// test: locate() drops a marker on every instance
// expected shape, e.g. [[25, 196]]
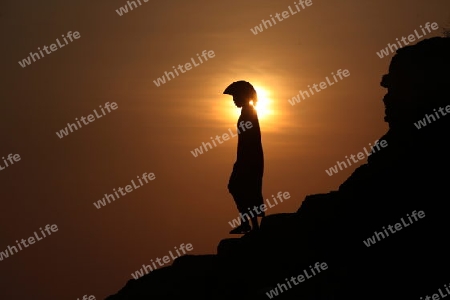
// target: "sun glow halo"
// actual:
[[263, 106]]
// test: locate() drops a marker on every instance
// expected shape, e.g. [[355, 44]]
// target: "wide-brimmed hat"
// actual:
[[242, 88]]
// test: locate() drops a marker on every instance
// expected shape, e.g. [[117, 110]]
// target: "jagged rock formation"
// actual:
[[411, 173]]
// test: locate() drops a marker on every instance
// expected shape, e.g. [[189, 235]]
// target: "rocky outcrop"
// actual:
[[410, 174]]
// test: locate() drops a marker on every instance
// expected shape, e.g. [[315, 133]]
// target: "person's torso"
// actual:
[[250, 151]]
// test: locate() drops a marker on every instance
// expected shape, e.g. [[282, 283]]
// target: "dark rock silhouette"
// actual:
[[410, 174]]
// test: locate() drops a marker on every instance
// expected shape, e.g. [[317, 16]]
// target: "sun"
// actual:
[[263, 106]]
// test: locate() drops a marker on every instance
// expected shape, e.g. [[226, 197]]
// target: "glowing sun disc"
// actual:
[[264, 103]]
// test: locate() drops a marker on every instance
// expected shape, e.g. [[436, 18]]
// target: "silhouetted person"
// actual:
[[245, 183]]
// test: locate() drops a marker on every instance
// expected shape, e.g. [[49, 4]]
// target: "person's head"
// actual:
[[243, 92]]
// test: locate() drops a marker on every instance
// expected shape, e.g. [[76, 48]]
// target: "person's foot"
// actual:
[[243, 228]]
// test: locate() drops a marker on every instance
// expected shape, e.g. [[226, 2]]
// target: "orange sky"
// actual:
[[154, 128]]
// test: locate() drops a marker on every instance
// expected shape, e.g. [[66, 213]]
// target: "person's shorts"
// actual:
[[247, 194]]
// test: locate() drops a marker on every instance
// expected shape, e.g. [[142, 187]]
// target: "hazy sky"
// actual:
[[154, 129]]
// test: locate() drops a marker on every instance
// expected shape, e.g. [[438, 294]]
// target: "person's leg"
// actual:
[[244, 224], [257, 202], [255, 225], [254, 199]]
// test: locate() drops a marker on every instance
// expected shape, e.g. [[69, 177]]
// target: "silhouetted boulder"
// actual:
[[410, 174]]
